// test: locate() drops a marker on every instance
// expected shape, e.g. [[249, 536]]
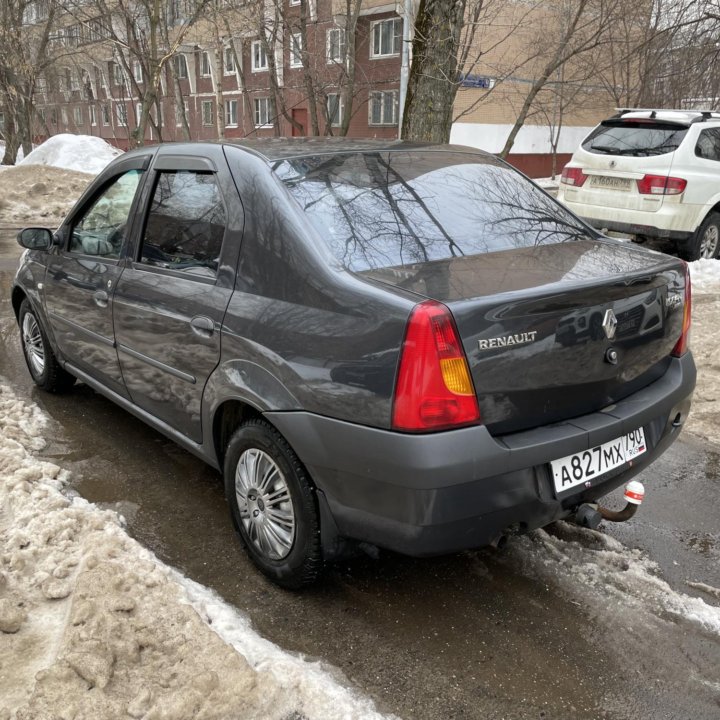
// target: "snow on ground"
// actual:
[[92, 625], [38, 194], [83, 153]]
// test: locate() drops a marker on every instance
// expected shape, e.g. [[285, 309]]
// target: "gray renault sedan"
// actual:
[[379, 344]]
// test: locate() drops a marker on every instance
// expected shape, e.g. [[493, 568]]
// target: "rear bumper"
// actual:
[[679, 236], [444, 492]]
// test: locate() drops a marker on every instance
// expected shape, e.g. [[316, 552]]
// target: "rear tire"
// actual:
[[273, 505], [705, 243], [44, 368]]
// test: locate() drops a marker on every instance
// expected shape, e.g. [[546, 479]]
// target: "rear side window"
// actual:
[[634, 138], [708, 144], [186, 223], [379, 210]]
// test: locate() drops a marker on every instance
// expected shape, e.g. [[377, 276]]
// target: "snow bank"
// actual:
[[92, 625], [705, 276], [83, 153], [38, 194]]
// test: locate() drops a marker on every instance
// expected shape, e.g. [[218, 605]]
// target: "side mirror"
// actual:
[[35, 238]]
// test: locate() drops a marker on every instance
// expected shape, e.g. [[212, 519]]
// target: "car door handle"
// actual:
[[202, 326], [100, 298]]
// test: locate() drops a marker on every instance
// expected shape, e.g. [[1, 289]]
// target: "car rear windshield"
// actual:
[[635, 138], [388, 209]]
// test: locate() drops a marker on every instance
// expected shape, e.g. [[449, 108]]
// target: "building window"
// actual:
[[229, 61], [179, 114], [74, 80], [137, 72], [2, 119], [121, 111], [296, 50], [335, 45], [231, 119], [335, 109], [93, 115], [383, 108], [118, 75], [181, 67], [207, 112], [263, 112], [205, 63], [106, 114], [138, 113], [79, 119], [294, 2], [259, 56], [386, 38], [64, 116]]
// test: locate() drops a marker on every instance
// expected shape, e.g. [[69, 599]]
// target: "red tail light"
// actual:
[[683, 343], [661, 185], [573, 176], [434, 390]]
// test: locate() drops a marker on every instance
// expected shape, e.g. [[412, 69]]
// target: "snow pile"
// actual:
[[92, 625], [83, 153], [39, 195], [705, 414]]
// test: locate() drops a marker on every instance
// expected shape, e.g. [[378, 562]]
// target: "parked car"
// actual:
[[365, 337], [652, 174]]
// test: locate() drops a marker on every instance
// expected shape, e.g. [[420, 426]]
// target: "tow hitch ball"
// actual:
[[590, 515]]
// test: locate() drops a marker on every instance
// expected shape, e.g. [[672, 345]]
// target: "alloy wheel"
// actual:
[[709, 242], [266, 509], [33, 344]]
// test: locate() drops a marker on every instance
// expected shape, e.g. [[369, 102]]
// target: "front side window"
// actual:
[[259, 56], [383, 108], [185, 224], [708, 144], [101, 229], [386, 38]]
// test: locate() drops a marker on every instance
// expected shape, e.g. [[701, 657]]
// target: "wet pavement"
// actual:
[[554, 626]]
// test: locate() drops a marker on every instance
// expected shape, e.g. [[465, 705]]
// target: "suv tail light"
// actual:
[[682, 345], [573, 176], [661, 185], [434, 390]]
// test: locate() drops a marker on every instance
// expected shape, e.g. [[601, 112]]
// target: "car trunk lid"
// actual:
[[538, 324]]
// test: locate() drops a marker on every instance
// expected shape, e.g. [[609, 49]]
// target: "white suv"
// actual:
[[652, 174]]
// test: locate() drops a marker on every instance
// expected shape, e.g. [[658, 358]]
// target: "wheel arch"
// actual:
[[17, 297], [228, 416]]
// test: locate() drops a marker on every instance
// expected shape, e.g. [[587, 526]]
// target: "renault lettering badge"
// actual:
[[609, 324]]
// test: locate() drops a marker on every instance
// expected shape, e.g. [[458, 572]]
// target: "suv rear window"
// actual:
[[388, 209], [635, 138]]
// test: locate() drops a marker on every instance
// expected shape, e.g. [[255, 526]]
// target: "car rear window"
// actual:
[[379, 210], [635, 138]]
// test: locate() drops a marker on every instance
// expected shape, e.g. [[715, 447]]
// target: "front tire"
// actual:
[[273, 505], [705, 243], [44, 367]]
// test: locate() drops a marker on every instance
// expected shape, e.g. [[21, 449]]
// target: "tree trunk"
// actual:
[[432, 84], [219, 97]]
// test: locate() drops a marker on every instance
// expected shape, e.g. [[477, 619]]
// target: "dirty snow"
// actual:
[[92, 625], [82, 153]]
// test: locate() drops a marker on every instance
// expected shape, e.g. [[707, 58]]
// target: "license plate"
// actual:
[[590, 464], [611, 183]]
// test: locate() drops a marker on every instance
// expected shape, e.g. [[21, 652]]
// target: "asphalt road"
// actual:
[[565, 625]]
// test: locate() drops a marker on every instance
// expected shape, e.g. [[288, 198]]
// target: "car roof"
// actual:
[[281, 148]]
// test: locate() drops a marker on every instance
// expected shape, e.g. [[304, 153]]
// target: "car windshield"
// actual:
[[634, 138], [388, 209]]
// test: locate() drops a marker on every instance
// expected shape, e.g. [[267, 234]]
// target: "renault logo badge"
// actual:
[[609, 324]]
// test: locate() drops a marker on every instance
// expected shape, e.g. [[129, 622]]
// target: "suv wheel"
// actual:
[[272, 504], [706, 241], [41, 361]]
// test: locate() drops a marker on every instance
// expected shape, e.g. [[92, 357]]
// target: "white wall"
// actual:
[[530, 139]]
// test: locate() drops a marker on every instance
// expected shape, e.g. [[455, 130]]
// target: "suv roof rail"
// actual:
[[702, 115]]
